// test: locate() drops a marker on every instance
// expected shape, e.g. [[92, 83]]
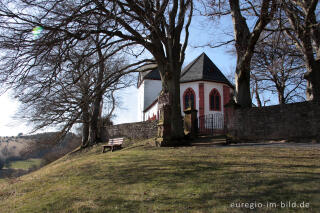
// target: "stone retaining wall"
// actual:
[[138, 130], [297, 121]]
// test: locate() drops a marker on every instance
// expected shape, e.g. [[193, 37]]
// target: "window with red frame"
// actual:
[[215, 100], [189, 98]]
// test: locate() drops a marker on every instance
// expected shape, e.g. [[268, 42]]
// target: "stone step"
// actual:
[[207, 144], [210, 141]]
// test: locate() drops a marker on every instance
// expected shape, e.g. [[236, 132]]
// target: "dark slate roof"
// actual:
[[200, 69], [150, 73], [153, 74], [203, 69]]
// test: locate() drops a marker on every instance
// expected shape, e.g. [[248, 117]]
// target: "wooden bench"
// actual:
[[114, 143]]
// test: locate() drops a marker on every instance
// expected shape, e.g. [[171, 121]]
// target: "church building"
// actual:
[[202, 84]]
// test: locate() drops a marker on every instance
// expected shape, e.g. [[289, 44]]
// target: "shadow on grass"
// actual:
[[181, 180], [12, 173], [209, 184]]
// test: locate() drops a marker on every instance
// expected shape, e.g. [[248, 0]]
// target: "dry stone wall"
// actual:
[[297, 121], [138, 130]]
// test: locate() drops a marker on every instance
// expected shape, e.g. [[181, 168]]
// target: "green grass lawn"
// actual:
[[185, 179], [25, 164]]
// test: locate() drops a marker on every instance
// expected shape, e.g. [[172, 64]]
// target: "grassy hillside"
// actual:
[[186, 179]]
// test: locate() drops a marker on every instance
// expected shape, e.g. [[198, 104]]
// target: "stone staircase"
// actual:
[[218, 140]]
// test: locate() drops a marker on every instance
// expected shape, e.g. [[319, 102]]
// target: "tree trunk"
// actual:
[[85, 128], [242, 74], [309, 95], [245, 42], [257, 94], [170, 74], [94, 127], [242, 79], [313, 78], [84, 87], [307, 35], [95, 120], [281, 98]]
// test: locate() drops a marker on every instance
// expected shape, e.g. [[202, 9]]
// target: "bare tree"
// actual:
[[244, 38], [157, 26], [60, 73], [74, 93], [304, 29], [256, 90], [160, 27], [277, 67]]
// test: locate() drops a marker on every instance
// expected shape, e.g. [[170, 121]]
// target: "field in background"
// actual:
[[22, 154], [142, 178], [24, 164]]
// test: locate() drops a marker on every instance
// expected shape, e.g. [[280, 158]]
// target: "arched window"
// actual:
[[189, 97], [215, 100]]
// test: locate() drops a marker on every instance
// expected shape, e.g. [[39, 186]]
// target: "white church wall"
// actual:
[[140, 101], [147, 93], [153, 111], [152, 91], [184, 87], [208, 86]]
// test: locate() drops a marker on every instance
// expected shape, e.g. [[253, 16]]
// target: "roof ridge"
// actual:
[[220, 72], [203, 68], [199, 69], [187, 68]]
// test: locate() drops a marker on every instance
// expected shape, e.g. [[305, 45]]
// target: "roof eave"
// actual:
[[150, 106], [208, 80]]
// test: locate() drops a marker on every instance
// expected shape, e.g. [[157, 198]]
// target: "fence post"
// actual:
[[229, 116], [163, 124], [190, 121]]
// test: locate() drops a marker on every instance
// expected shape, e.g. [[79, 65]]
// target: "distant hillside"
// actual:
[[44, 146]]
